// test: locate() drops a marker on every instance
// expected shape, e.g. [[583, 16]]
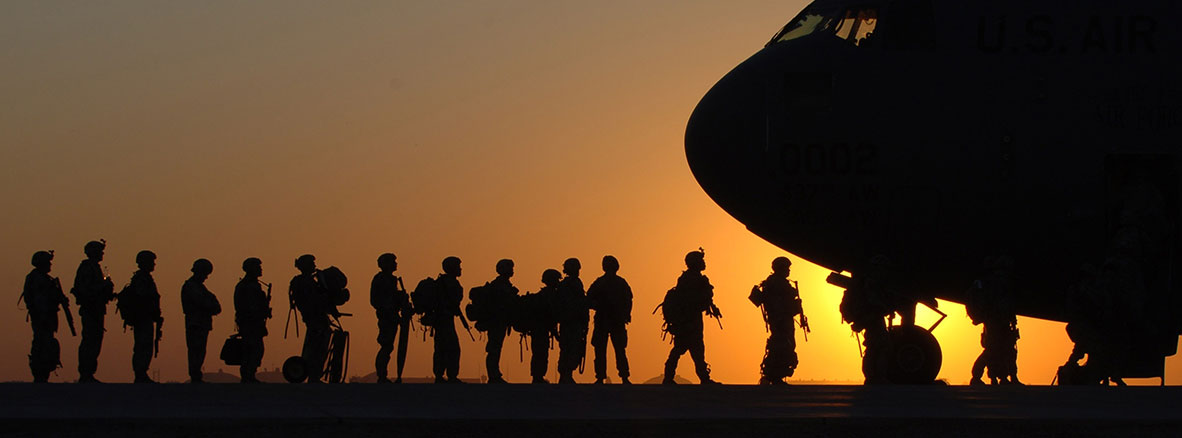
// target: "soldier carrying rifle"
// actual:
[[43, 295], [780, 302]]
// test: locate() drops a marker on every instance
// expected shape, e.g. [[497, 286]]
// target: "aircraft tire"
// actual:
[[295, 370], [914, 356]]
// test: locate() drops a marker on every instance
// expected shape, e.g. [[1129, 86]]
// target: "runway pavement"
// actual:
[[126, 410]]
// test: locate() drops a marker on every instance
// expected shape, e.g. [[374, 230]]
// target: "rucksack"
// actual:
[[530, 313], [480, 305], [677, 309], [335, 282], [425, 300], [129, 306]]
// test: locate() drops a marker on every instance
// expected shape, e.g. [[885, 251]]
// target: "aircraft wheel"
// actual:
[[914, 356], [295, 370]]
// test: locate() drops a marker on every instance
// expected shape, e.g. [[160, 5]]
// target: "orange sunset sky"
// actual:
[[530, 130]]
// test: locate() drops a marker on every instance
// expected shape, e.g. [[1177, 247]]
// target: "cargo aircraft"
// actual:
[[937, 133]]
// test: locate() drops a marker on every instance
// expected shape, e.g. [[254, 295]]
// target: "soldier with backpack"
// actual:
[[490, 308], [682, 309], [312, 299], [389, 299], [92, 291], [573, 317], [200, 306], [139, 304], [611, 299], [991, 303], [43, 297], [252, 309], [780, 303], [537, 320], [446, 359]]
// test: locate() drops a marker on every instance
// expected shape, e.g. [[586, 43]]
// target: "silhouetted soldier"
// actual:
[[502, 292], [573, 317], [542, 324], [991, 303], [865, 305], [611, 298], [389, 299], [200, 305], [252, 309], [145, 319], [43, 297], [312, 299], [781, 303], [92, 291], [692, 296], [446, 360]]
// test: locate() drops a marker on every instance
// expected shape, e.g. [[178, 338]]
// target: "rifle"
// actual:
[[716, 314], [464, 322], [66, 308], [159, 334], [804, 320], [268, 298]]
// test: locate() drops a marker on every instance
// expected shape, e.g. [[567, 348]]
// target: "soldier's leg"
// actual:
[[40, 354], [141, 351], [195, 349], [599, 339], [697, 351], [91, 344], [438, 356], [452, 344], [403, 339], [539, 361], [492, 361], [679, 348], [252, 355], [314, 351], [386, 332], [619, 338]]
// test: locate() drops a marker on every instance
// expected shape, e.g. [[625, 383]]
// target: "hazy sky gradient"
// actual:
[[523, 129]]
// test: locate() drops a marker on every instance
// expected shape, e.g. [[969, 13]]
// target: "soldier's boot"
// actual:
[[567, 378], [143, 378], [539, 380], [625, 381], [88, 379], [599, 381]]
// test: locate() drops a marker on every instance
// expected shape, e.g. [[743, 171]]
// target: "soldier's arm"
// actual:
[[215, 306]]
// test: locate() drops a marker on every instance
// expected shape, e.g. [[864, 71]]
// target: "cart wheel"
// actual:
[[295, 370]]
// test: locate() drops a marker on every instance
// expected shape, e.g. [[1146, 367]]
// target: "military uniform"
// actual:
[[389, 302], [541, 329], [43, 298], [200, 305], [92, 291], [573, 317], [252, 308], [611, 298], [146, 299], [781, 302], [446, 359], [696, 294], [497, 323], [311, 298]]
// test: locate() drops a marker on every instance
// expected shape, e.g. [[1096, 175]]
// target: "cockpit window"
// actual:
[[857, 25], [853, 24]]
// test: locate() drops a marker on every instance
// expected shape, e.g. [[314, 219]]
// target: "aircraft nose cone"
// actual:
[[725, 139]]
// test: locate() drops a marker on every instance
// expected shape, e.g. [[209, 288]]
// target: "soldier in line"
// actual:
[[865, 305], [200, 306], [92, 291], [573, 316], [611, 298], [391, 302], [446, 360], [502, 292], [142, 313], [692, 296], [780, 303], [252, 309], [542, 324], [43, 297], [312, 299], [991, 303]]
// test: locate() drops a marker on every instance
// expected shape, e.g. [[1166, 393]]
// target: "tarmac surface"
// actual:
[[285, 410]]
